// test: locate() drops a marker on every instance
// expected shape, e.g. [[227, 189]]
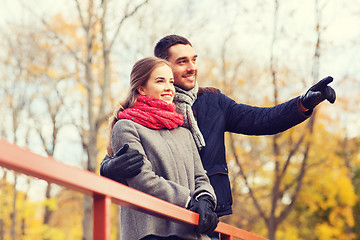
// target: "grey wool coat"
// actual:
[[172, 171]]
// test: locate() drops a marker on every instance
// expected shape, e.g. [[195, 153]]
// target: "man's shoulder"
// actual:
[[212, 96], [203, 90]]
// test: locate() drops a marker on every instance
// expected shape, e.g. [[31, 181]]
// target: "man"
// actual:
[[209, 114]]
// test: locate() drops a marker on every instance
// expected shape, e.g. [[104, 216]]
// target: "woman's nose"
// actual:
[[168, 86]]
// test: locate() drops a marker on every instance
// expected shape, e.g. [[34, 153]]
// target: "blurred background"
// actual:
[[64, 65]]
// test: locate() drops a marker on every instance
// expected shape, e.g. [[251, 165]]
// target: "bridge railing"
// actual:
[[104, 192]]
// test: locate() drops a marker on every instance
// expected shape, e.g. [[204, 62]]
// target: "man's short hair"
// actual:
[[161, 49]]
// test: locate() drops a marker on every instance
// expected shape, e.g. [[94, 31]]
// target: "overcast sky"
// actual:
[[341, 38]]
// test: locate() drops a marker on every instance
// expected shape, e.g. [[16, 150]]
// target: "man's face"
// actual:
[[183, 63]]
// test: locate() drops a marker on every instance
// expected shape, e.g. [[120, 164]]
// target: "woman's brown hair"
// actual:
[[139, 75]]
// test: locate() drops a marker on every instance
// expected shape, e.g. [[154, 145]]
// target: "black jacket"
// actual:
[[216, 114]]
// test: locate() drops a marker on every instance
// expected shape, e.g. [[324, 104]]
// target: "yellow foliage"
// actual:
[[63, 26], [290, 232], [65, 222], [52, 233], [330, 187], [324, 231], [52, 74], [81, 88], [328, 190], [51, 203], [103, 139], [327, 195], [33, 228], [69, 216]]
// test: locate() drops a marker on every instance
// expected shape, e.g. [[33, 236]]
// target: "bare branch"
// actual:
[[272, 58], [292, 152], [127, 15], [55, 35], [80, 14], [300, 178], [244, 176]]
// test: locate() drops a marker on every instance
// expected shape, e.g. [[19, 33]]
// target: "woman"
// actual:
[[172, 170]]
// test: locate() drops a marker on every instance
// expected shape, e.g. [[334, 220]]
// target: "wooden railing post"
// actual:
[[225, 237], [102, 217]]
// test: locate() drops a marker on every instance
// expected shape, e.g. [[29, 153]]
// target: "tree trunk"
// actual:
[[87, 219], [47, 210], [271, 230], [117, 222], [3, 206], [13, 214], [1, 229], [96, 115]]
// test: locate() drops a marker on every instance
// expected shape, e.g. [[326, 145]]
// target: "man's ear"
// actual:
[[141, 90]]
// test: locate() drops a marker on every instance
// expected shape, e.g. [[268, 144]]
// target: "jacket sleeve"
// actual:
[[252, 120], [147, 181]]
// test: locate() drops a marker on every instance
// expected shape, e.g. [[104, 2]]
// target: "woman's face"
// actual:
[[160, 84]]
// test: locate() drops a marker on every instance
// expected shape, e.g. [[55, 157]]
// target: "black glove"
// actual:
[[124, 164], [193, 204], [318, 93], [205, 207]]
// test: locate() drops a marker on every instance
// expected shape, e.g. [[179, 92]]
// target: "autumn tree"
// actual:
[[270, 172], [16, 96], [290, 154], [48, 107], [44, 79], [91, 49]]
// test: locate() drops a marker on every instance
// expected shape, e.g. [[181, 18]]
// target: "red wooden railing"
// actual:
[[104, 192]]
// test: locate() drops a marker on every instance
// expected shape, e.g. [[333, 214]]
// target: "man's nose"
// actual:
[[191, 66]]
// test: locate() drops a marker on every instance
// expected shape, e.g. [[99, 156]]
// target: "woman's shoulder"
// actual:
[[131, 126], [124, 125], [123, 122]]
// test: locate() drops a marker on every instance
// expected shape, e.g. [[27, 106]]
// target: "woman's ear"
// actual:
[[141, 90]]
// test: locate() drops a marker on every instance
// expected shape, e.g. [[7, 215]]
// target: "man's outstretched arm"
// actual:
[[124, 164], [252, 120]]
